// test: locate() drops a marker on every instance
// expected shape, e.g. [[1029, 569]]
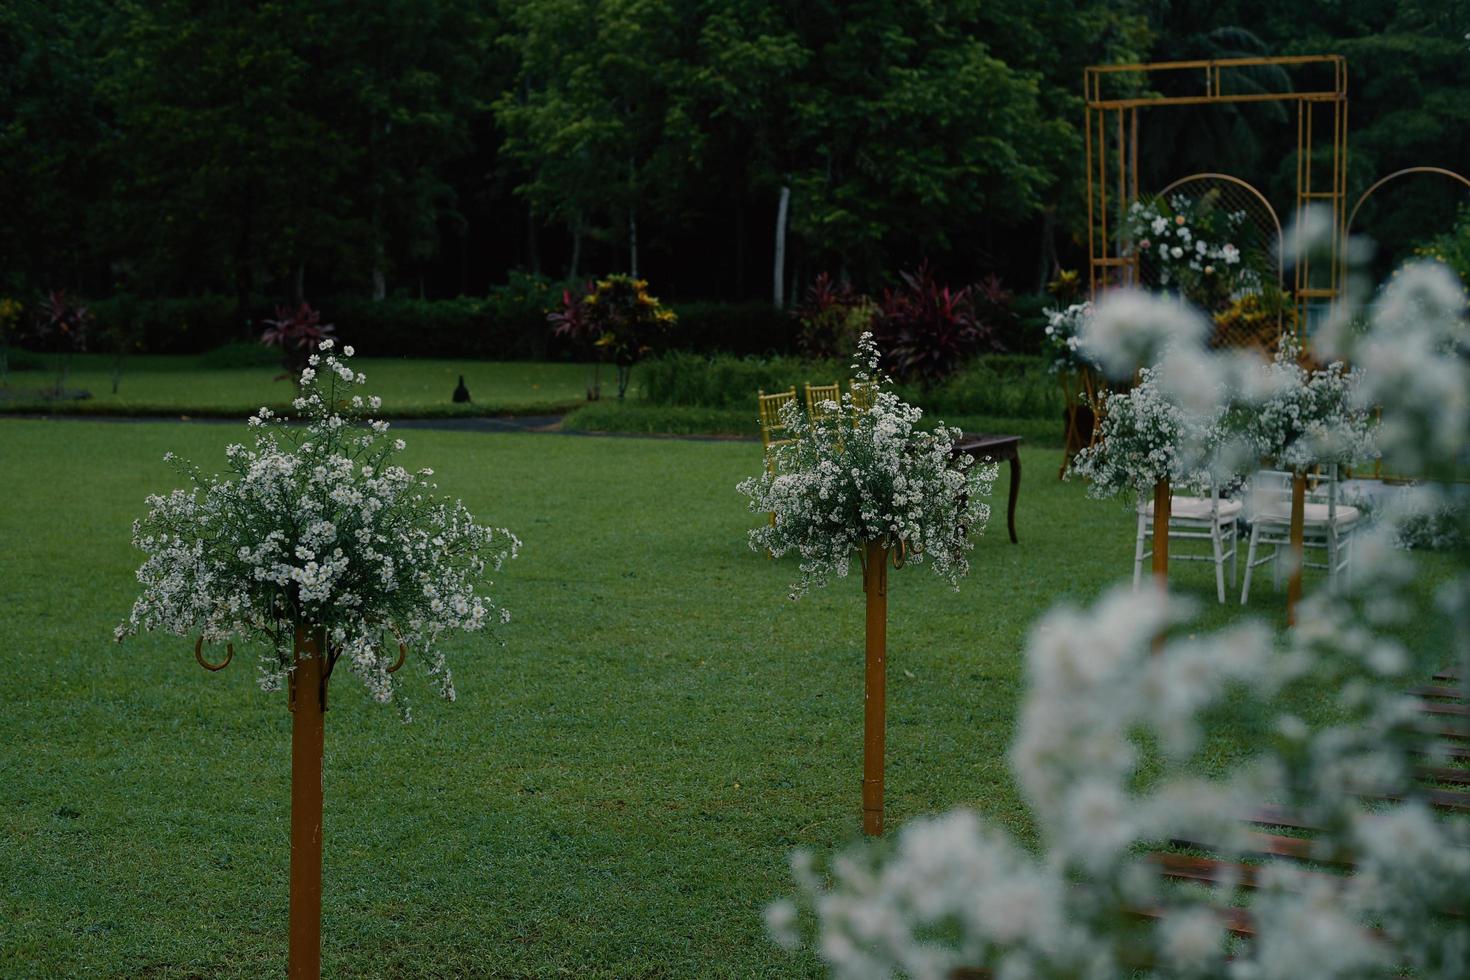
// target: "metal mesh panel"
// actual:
[[1247, 317]]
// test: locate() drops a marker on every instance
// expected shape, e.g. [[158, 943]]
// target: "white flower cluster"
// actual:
[[316, 527], [859, 474], [1145, 437], [1167, 235], [1063, 343], [1197, 415], [1302, 418], [954, 893]]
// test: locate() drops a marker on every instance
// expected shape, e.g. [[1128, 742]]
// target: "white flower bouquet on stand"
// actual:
[[1148, 437], [321, 548], [856, 476], [1303, 418], [867, 480]]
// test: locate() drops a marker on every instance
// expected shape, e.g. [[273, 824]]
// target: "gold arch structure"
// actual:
[[1406, 172], [1111, 132], [1378, 471]]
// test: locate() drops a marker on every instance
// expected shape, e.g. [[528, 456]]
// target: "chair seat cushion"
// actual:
[[1197, 508], [1311, 514]]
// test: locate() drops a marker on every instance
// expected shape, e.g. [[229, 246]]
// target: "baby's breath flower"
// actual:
[[318, 527]]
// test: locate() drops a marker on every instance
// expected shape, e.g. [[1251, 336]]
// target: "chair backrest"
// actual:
[[864, 393], [1269, 493], [818, 395], [1322, 488], [772, 428]]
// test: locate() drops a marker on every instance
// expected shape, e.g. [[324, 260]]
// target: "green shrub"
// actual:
[[18, 359], [181, 325], [508, 323], [725, 381], [1030, 322], [1007, 385], [243, 354]]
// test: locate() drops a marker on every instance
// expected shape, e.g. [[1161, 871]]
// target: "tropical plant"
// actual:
[[860, 474], [927, 330], [1256, 319], [1067, 287], [60, 326], [317, 527], [11, 311], [569, 322], [1452, 247], [299, 332], [623, 320]]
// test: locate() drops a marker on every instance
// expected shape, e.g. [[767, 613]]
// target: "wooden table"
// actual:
[[991, 446]]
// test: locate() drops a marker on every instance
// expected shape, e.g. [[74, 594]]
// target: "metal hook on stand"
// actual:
[[199, 655]]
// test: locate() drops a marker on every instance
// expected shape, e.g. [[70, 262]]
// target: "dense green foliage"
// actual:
[[1013, 386], [425, 147]]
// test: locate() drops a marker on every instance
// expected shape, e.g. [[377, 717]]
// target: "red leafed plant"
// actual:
[[61, 323], [298, 333], [61, 326], [928, 330], [832, 315], [571, 323]]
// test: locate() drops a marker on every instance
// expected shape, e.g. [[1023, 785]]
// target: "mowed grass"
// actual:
[[175, 385], [616, 791]]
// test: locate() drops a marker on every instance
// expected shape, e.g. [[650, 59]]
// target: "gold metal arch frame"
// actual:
[[1111, 132], [1378, 471], [1397, 174]]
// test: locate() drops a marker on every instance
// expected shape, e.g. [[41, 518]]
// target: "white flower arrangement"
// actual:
[[1177, 239], [317, 527], [956, 894], [858, 474], [1303, 418], [1146, 436], [1063, 338]]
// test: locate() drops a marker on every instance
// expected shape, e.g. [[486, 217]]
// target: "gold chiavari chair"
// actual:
[[818, 395]]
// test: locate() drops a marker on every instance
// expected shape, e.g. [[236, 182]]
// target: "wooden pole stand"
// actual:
[[308, 702], [875, 585], [1298, 548], [1163, 510]]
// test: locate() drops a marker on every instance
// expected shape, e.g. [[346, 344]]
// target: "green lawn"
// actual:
[[614, 794], [177, 385]]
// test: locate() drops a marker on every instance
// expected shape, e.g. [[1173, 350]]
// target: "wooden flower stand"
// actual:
[[875, 585], [1163, 510], [1078, 418], [307, 692]]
